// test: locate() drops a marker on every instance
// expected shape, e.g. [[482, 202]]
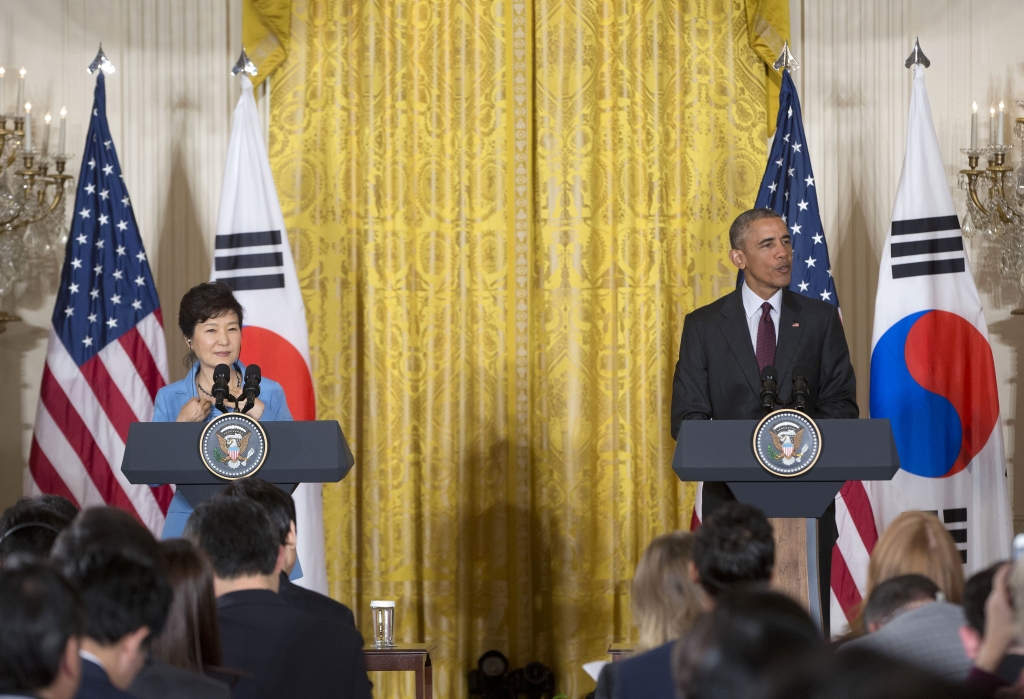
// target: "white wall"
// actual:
[[169, 106], [855, 94]]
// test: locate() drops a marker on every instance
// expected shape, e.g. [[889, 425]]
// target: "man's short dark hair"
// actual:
[[739, 228], [39, 612], [733, 547], [237, 535], [892, 596], [278, 504], [31, 525], [114, 563], [976, 592]]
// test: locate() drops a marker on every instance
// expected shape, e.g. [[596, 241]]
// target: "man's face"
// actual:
[[767, 255]]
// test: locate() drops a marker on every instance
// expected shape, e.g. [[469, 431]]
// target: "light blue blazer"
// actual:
[[169, 401]]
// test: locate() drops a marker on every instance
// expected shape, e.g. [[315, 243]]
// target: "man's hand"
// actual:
[[195, 410], [1000, 620]]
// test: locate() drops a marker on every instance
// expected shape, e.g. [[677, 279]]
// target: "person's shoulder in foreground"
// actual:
[[314, 603], [645, 676], [158, 680]]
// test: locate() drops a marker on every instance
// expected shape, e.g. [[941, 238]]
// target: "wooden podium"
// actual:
[[851, 450]]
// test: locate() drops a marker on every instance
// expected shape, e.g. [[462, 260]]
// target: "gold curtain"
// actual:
[[501, 212]]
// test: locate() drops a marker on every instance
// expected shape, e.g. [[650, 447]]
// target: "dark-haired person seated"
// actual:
[[187, 651], [910, 620], [287, 652], [281, 508], [733, 549], [210, 320], [113, 562], [40, 624], [31, 525], [973, 634]]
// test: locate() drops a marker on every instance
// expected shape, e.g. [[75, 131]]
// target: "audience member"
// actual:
[[40, 625], [189, 645], [737, 645], [1002, 627], [113, 561], [281, 508], [858, 673], [909, 623], [733, 549], [976, 594], [31, 525], [288, 652]]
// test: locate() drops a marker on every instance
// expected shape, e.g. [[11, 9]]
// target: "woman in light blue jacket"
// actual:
[[210, 319]]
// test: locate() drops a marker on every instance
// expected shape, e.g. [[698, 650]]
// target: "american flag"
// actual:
[[106, 358], [788, 187]]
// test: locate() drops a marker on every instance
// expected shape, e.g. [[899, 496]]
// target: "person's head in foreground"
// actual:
[[278, 504], [733, 547], [665, 598], [732, 648], [31, 525], [761, 247], [242, 543], [976, 593], [190, 639], [857, 673], [113, 562], [896, 596], [40, 625]]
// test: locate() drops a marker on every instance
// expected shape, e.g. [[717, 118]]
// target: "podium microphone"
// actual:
[[769, 388], [220, 392], [251, 387], [800, 394]]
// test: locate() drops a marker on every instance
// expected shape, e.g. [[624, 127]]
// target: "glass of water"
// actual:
[[383, 614]]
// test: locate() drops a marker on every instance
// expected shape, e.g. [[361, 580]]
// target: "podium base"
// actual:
[[796, 563]]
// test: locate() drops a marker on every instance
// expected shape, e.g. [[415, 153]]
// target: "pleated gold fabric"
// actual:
[[501, 212]]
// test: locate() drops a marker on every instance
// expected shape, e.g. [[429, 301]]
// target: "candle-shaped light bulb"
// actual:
[[1000, 138], [21, 89], [63, 130], [992, 126], [974, 126], [28, 127], [46, 134]]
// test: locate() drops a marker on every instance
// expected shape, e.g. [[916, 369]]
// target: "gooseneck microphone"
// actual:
[[800, 393], [220, 391], [769, 388], [251, 387]]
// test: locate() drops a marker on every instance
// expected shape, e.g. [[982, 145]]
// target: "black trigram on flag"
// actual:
[[956, 524], [928, 241]]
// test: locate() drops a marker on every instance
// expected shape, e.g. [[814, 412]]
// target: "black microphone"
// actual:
[[220, 391], [800, 393], [769, 388], [251, 389]]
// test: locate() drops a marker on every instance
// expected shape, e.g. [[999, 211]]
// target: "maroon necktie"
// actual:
[[765, 338]]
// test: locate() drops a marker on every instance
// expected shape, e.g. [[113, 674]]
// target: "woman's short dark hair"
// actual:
[[191, 638], [202, 302]]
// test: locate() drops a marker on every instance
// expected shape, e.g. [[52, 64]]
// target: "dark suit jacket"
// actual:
[[717, 377], [158, 680], [313, 602], [289, 653], [645, 676], [96, 684]]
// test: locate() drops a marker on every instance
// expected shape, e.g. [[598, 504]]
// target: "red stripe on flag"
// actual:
[[163, 494], [694, 520], [81, 440], [110, 399], [843, 586], [859, 505], [46, 476], [141, 357]]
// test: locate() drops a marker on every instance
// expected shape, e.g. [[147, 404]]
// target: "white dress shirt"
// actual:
[[752, 305]]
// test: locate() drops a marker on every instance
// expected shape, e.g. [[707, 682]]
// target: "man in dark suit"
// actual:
[[286, 651], [726, 345], [281, 508]]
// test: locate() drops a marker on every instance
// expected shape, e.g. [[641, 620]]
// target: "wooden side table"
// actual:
[[404, 657]]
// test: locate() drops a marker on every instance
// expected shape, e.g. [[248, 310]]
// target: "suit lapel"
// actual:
[[737, 335], [790, 333]]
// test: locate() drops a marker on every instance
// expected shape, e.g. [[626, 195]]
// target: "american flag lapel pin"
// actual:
[[796, 325]]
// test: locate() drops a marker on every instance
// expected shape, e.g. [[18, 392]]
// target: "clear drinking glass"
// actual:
[[383, 614]]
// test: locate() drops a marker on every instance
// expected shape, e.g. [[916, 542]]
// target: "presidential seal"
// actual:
[[233, 446], [787, 443]]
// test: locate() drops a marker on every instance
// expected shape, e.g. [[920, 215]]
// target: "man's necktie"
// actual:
[[765, 338]]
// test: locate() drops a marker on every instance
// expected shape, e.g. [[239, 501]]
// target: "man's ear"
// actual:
[[873, 626], [971, 641], [281, 557], [71, 662], [738, 258], [131, 644], [292, 537]]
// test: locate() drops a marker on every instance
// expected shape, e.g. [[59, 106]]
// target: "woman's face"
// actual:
[[218, 340]]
